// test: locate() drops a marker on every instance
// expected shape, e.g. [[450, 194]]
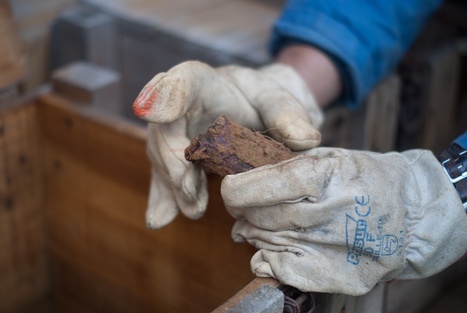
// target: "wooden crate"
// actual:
[[73, 190], [73, 237], [72, 199]]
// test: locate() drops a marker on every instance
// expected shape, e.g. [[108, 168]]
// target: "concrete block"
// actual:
[[84, 33], [89, 84]]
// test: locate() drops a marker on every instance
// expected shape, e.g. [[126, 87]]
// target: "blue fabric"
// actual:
[[365, 38]]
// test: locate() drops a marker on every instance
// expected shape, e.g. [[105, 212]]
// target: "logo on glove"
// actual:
[[361, 240]]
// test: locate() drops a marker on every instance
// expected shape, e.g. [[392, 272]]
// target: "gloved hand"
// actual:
[[181, 103], [340, 221]]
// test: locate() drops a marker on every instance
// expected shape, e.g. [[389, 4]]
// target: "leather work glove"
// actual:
[[340, 221], [181, 103]]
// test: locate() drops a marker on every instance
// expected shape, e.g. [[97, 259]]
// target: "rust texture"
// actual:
[[228, 148]]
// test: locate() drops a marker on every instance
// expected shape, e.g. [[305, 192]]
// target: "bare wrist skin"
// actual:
[[316, 68]]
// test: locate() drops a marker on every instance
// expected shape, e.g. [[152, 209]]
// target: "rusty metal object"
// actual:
[[296, 301], [228, 148]]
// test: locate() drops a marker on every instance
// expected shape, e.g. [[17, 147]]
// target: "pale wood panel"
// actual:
[[442, 93], [11, 57], [23, 262], [33, 20], [34, 16], [382, 108], [104, 258]]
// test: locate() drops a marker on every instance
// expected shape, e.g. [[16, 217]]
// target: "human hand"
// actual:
[[181, 103], [340, 221]]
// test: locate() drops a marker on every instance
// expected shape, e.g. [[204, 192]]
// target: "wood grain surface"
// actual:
[[11, 54], [103, 258], [23, 258]]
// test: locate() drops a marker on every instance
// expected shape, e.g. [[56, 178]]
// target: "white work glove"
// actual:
[[340, 221], [181, 103]]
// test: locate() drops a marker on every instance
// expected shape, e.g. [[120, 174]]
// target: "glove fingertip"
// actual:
[[296, 133], [193, 197], [260, 267], [162, 207], [238, 238], [303, 144], [195, 210], [194, 184], [194, 205], [159, 217]]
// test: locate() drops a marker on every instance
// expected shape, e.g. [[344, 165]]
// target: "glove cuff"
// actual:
[[437, 228], [291, 81]]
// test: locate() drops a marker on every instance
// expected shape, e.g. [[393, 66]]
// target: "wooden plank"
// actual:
[[336, 130], [36, 50], [382, 108], [23, 262], [442, 95], [106, 260], [37, 15], [33, 20], [431, 72], [11, 57]]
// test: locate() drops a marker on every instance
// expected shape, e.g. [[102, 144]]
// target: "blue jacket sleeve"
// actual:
[[365, 38]]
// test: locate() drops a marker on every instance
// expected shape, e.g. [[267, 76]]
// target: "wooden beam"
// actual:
[[23, 260], [11, 56], [382, 109]]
